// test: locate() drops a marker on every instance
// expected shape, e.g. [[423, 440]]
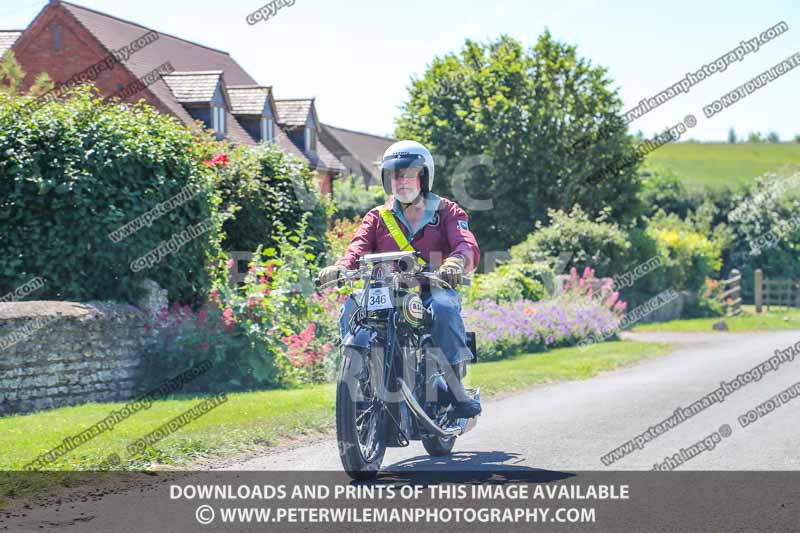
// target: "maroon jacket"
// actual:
[[445, 233]]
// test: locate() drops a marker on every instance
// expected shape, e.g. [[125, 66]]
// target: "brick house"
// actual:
[[360, 153], [202, 84]]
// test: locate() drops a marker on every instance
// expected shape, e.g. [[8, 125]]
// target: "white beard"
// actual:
[[406, 198]]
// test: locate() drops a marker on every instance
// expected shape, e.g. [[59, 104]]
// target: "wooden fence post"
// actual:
[[733, 292], [759, 290]]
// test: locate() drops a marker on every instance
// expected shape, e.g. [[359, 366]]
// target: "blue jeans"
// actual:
[[448, 327]]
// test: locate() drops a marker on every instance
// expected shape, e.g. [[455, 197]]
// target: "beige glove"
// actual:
[[452, 270], [329, 274]]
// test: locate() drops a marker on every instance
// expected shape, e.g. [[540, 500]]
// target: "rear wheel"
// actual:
[[434, 444], [360, 422]]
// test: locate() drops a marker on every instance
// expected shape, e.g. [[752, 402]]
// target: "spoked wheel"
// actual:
[[360, 422], [434, 444]]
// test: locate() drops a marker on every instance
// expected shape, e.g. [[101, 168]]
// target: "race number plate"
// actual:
[[379, 299]]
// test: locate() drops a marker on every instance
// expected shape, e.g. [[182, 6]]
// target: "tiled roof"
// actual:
[[7, 39], [193, 87], [360, 152], [294, 113], [248, 100], [323, 159], [183, 55]]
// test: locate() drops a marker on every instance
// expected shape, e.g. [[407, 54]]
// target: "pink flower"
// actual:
[[227, 319], [229, 264]]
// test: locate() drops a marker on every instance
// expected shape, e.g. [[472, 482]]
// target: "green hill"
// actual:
[[719, 165]]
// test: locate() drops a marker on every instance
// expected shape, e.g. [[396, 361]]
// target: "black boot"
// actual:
[[464, 406]]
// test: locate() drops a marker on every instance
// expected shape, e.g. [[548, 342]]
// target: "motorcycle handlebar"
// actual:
[[352, 275]]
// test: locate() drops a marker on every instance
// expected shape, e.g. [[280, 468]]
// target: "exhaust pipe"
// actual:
[[461, 426]]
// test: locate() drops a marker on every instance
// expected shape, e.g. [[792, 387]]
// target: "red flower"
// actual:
[[340, 234], [217, 160]]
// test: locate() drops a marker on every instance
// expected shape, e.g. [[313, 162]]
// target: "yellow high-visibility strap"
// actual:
[[397, 233]]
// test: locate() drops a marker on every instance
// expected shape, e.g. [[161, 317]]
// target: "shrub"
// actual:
[[666, 192], [338, 238], [688, 257], [272, 331], [706, 302], [262, 187], [72, 172], [574, 235], [507, 283], [767, 229], [182, 338]]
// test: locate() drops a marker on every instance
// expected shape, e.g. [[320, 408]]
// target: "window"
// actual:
[[266, 130], [311, 140], [219, 120], [56, 37]]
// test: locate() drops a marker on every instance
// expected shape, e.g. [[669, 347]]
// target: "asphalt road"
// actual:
[[571, 425]]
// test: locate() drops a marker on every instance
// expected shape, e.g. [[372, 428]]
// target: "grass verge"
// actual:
[[748, 321]]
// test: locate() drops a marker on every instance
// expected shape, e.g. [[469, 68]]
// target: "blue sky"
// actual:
[[357, 57]]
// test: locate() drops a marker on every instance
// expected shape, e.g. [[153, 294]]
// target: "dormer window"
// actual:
[[311, 139], [56, 37], [219, 120], [267, 130]]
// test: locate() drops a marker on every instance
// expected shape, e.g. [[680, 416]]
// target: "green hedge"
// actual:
[[73, 172], [265, 188]]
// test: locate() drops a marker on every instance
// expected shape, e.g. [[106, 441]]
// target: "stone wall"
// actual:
[[54, 354]]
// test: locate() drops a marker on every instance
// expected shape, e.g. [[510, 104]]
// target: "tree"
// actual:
[[545, 123], [755, 137], [732, 136], [11, 76], [773, 137], [797, 138]]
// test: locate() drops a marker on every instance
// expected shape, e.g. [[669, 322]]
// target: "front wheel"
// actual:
[[360, 421]]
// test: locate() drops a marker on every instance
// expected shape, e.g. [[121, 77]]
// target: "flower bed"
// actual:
[[506, 329]]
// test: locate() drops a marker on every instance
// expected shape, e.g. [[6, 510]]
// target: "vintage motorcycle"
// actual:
[[392, 385]]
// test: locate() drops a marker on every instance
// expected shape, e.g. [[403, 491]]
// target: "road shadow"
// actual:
[[467, 467]]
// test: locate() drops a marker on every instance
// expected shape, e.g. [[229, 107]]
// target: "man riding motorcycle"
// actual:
[[414, 218]]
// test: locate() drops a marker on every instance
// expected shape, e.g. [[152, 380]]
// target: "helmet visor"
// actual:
[[403, 166]]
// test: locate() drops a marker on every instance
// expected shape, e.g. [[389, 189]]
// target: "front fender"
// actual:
[[362, 339]]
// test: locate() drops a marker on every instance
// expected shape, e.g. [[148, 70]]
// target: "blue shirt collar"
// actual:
[[431, 206]]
